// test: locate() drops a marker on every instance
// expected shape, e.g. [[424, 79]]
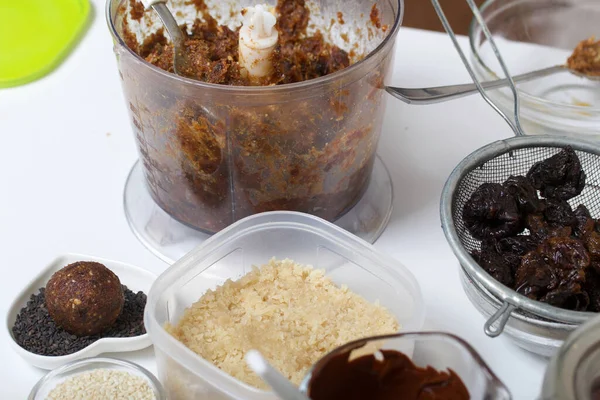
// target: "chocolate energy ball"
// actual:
[[84, 298]]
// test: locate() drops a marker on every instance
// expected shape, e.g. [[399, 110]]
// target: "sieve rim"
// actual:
[[478, 274]]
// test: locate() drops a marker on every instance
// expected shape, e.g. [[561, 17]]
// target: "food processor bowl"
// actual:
[[213, 154], [532, 35]]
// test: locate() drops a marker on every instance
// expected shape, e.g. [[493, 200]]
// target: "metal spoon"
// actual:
[[180, 60], [279, 383], [177, 37], [440, 94]]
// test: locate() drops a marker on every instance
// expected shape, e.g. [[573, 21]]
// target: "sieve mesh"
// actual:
[[518, 162]]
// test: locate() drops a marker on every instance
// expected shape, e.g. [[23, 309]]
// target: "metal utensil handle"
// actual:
[[440, 94], [165, 15], [501, 316], [516, 126]]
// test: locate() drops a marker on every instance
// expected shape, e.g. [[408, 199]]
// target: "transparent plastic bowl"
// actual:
[[53, 378], [213, 154], [441, 351], [535, 34], [231, 253]]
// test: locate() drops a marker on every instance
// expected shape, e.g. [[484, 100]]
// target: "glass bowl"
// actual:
[[441, 351], [574, 371], [213, 154], [43, 387], [535, 34], [231, 253]]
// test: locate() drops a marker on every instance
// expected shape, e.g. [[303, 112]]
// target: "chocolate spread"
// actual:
[[394, 378]]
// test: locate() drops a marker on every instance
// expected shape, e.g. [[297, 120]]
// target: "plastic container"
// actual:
[[441, 351], [535, 34], [213, 154], [41, 389], [574, 371], [253, 241]]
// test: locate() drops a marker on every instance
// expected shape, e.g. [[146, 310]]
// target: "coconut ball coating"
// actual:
[[84, 298]]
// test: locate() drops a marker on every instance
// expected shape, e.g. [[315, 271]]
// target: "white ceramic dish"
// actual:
[[134, 278]]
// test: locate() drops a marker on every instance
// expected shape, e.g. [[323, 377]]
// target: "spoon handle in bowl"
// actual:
[[168, 20], [441, 94]]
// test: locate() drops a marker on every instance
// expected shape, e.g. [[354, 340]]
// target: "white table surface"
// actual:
[[67, 147]]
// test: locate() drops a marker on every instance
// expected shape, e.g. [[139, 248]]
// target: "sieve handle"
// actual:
[[516, 126], [501, 317]]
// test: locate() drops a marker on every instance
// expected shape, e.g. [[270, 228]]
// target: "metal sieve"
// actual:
[[495, 163]]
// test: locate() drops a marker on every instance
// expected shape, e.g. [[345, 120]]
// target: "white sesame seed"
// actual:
[[101, 384]]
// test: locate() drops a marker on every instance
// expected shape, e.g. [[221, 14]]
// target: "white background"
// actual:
[[67, 147]]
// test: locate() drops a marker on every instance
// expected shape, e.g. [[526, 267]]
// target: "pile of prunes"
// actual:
[[533, 241]]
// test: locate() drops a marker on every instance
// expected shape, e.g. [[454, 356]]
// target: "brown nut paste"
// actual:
[[586, 57]]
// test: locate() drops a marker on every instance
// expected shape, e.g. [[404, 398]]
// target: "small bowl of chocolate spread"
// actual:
[[408, 366]]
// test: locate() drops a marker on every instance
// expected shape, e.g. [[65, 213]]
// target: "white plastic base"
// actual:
[[169, 239]]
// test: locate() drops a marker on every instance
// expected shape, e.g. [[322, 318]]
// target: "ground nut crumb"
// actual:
[[102, 384], [586, 57], [292, 314]]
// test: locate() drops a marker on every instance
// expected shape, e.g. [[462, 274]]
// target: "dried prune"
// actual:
[[511, 249], [585, 223], [492, 212], [542, 230], [592, 287], [560, 212], [592, 243], [525, 194], [534, 275], [585, 229], [559, 177], [519, 245], [555, 273], [494, 264], [565, 253], [571, 297]]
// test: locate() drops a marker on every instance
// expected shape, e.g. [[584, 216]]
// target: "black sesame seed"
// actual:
[[35, 331]]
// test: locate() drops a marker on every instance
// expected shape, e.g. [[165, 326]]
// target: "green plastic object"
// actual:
[[36, 36]]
